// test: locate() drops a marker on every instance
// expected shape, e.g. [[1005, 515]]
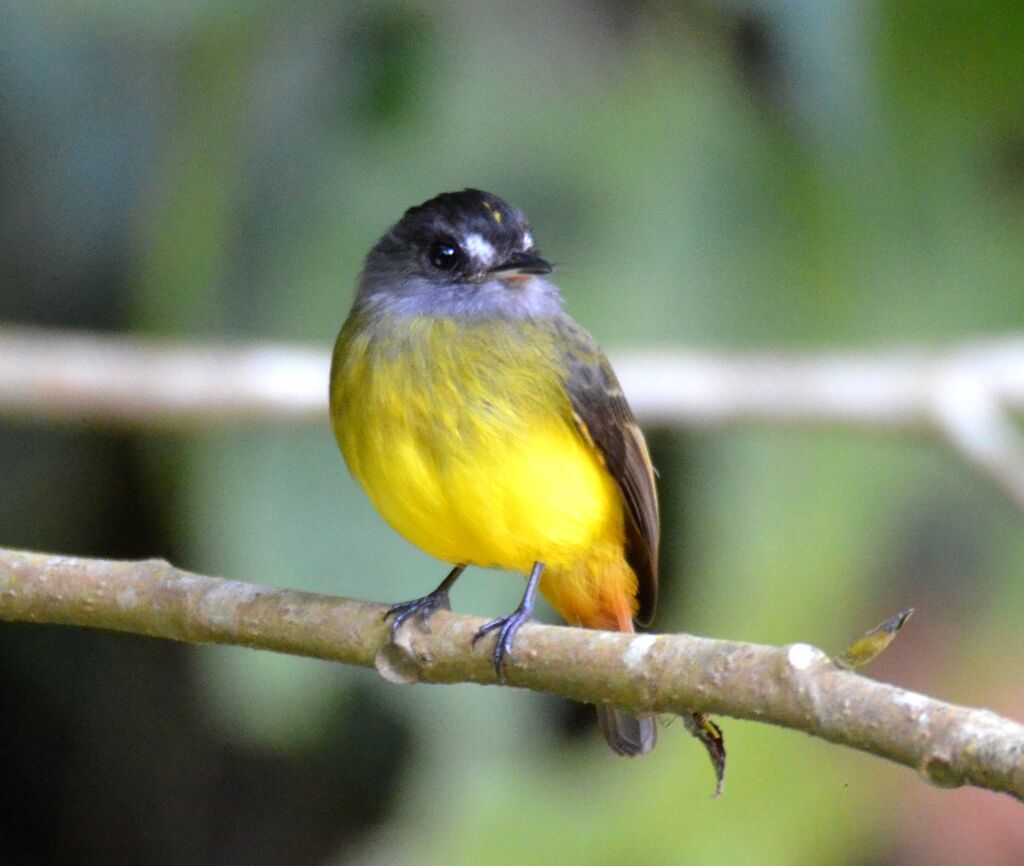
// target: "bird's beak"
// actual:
[[521, 264]]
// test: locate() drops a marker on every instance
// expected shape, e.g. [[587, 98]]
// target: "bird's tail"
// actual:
[[604, 597], [627, 735]]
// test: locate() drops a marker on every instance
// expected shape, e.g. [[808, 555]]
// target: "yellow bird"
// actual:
[[489, 429]]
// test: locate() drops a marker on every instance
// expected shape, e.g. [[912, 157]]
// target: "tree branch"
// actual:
[[796, 686], [963, 395]]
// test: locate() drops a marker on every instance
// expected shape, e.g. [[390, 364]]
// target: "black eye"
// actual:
[[445, 255]]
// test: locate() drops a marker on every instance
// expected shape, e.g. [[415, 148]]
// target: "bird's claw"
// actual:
[[507, 627], [424, 608]]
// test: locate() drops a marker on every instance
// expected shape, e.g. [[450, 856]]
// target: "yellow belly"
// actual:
[[463, 438]]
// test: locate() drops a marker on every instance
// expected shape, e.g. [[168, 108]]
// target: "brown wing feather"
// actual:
[[605, 420]]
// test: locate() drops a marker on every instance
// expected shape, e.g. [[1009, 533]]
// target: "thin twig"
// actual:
[[963, 395], [130, 382], [796, 686]]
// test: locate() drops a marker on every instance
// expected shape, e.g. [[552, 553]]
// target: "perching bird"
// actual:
[[489, 429]]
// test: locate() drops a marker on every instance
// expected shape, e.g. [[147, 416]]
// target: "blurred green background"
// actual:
[[770, 173]]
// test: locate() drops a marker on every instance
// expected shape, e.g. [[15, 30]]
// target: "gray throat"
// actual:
[[528, 297]]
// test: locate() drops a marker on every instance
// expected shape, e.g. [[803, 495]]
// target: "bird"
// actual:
[[489, 429]]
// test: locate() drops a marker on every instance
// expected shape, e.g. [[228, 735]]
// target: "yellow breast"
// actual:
[[463, 437]]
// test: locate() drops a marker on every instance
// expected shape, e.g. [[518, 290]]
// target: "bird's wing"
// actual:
[[605, 420]]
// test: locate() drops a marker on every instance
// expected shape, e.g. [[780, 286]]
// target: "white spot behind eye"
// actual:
[[479, 249]]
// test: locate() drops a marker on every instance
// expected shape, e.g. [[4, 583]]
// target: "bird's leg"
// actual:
[[424, 607], [507, 626]]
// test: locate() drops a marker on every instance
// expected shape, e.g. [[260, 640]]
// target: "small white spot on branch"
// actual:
[[910, 699], [802, 656], [220, 601], [633, 657]]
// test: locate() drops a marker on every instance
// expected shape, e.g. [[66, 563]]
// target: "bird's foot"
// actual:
[[506, 627], [424, 608]]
